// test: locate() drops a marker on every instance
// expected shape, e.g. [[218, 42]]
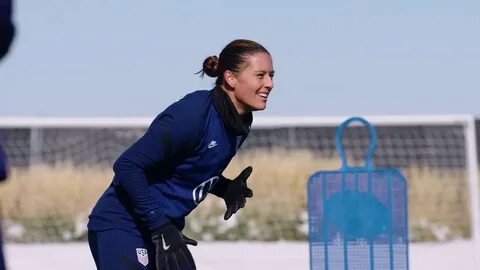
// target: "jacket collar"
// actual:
[[234, 122]]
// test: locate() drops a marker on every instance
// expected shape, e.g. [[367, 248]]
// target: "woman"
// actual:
[[163, 176]]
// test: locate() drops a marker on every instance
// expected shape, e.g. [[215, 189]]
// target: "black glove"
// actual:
[[171, 252], [236, 193]]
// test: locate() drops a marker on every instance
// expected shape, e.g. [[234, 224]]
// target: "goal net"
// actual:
[[61, 166]]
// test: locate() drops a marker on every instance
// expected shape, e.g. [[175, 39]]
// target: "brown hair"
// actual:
[[231, 58]]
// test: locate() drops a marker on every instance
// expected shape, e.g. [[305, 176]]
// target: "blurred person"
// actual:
[[3, 164], [3, 176], [7, 30], [6, 37], [137, 223]]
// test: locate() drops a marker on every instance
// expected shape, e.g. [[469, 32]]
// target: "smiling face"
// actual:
[[249, 88]]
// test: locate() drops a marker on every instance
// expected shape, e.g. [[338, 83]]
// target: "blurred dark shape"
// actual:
[[7, 29]]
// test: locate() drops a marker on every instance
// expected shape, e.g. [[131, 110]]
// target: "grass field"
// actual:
[[52, 203]]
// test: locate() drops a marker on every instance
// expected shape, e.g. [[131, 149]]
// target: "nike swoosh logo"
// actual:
[[212, 144], [165, 247]]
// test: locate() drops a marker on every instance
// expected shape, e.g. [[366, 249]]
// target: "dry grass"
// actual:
[[438, 204], [44, 190], [47, 201]]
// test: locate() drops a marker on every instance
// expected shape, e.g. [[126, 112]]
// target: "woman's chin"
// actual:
[[259, 107]]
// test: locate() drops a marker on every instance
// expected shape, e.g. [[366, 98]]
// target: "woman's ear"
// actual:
[[230, 78]]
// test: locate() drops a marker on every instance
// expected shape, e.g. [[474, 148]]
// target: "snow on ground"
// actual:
[[235, 256]]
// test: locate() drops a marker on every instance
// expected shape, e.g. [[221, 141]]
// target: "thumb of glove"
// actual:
[[243, 176], [189, 241]]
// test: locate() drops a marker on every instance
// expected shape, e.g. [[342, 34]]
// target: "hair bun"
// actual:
[[210, 66]]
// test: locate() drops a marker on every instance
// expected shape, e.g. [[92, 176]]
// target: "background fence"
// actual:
[[61, 166]]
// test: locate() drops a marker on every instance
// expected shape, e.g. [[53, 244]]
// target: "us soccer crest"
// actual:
[[142, 256]]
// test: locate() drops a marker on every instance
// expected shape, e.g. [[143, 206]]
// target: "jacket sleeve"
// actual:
[[176, 130]]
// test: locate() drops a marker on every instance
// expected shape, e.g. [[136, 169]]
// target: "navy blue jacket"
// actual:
[[163, 176]]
